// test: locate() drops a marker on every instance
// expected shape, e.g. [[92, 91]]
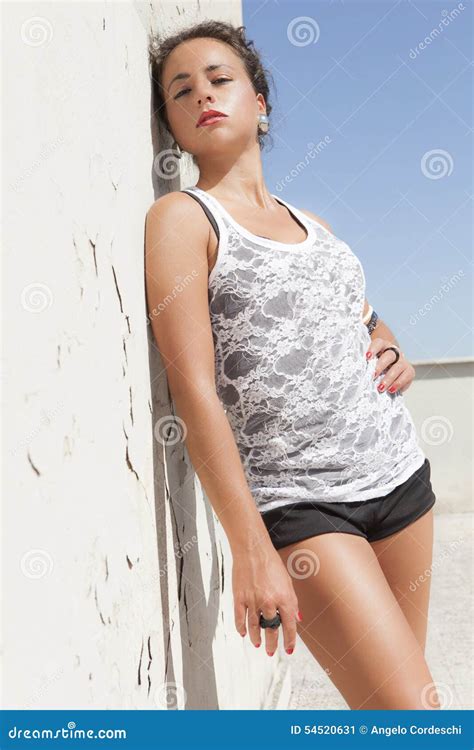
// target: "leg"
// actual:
[[353, 624], [405, 558]]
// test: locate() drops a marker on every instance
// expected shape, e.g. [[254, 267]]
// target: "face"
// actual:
[[211, 76]]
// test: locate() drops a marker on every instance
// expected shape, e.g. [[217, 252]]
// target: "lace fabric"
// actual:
[[291, 370]]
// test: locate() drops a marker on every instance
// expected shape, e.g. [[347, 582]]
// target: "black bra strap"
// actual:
[[206, 211]]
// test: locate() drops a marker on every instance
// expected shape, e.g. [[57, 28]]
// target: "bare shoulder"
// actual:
[[176, 226], [176, 239], [177, 207], [316, 218]]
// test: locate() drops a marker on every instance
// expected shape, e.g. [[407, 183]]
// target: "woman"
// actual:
[[294, 414]]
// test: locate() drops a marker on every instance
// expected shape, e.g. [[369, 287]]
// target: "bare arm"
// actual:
[[177, 233], [177, 272]]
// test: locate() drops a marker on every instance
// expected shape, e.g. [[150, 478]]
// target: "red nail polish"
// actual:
[[381, 387], [392, 389], [289, 650], [270, 653], [300, 616], [257, 645], [368, 355]]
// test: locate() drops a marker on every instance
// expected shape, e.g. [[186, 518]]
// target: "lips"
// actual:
[[209, 117]]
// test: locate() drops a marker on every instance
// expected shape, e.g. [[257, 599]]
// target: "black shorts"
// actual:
[[373, 519]]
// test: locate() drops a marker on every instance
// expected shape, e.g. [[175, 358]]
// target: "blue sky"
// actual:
[[372, 131]]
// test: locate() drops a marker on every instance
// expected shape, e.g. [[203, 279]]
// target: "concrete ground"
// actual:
[[449, 641]]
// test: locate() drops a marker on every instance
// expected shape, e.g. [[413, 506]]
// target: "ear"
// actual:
[[261, 102]]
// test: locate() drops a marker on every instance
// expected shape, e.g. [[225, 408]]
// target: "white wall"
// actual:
[[117, 591], [440, 402]]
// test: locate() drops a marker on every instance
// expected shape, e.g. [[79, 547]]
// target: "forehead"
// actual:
[[195, 55]]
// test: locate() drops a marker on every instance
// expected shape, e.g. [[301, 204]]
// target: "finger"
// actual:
[[401, 383], [254, 626], [271, 634], [393, 372], [386, 360], [288, 621], [376, 345], [239, 617]]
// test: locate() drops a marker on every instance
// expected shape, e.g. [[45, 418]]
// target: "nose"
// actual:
[[204, 91], [208, 97]]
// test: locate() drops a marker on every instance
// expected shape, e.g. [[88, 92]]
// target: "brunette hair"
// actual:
[[160, 48]]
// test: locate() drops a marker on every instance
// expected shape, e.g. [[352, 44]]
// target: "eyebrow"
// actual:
[[207, 69]]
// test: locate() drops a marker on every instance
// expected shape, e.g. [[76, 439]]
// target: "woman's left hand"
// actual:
[[399, 376]]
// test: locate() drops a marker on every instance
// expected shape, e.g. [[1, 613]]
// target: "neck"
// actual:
[[239, 181]]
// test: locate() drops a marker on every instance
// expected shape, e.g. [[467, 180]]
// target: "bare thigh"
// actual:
[[406, 559], [354, 626]]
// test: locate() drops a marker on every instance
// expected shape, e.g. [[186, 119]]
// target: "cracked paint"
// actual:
[[32, 464], [140, 665]]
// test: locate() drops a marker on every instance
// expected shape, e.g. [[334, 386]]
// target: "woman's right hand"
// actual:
[[262, 584]]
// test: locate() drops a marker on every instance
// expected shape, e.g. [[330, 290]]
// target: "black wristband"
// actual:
[[372, 322]]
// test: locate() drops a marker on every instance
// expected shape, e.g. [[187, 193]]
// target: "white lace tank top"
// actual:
[[291, 370]]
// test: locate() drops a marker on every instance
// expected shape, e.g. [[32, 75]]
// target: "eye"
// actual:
[[216, 80]]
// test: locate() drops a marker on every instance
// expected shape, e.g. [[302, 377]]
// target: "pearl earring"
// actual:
[[263, 122]]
